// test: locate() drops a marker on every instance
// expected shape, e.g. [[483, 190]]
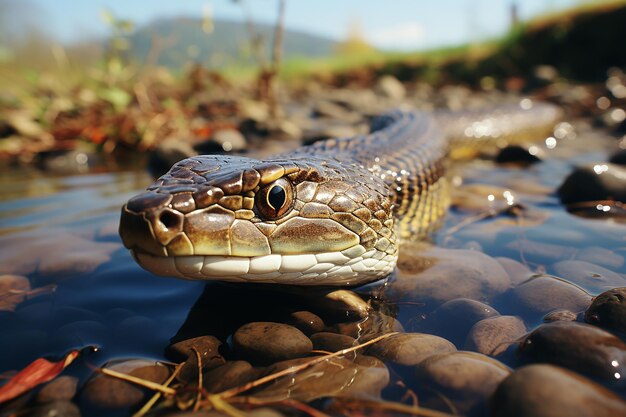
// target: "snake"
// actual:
[[334, 213]]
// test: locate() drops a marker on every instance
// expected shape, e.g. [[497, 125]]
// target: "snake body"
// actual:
[[333, 213]]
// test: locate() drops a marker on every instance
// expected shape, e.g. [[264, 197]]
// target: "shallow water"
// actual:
[[61, 233]]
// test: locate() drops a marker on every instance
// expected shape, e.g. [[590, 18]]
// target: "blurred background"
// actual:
[[109, 75]]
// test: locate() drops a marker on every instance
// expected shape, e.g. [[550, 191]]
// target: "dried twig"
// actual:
[[147, 406], [138, 381]]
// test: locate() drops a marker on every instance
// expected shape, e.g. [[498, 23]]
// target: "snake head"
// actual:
[[304, 221]]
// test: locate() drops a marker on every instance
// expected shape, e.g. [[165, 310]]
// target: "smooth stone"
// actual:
[[229, 375], [388, 86], [307, 322], [541, 295], [207, 346], [230, 140], [62, 388], [560, 315], [600, 256], [492, 336], [550, 391], [167, 153], [609, 310], [54, 409], [580, 347], [341, 304], [594, 182], [265, 342], [334, 377], [374, 325], [103, 391], [516, 155], [408, 349], [465, 379], [332, 342], [589, 276], [325, 108], [439, 275], [453, 319], [517, 271], [13, 290]]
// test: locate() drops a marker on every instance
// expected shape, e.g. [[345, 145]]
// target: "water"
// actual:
[[61, 233]]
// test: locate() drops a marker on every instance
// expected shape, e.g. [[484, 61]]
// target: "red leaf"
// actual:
[[39, 371]]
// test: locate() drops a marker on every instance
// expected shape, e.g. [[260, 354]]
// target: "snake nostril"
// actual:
[[169, 219]]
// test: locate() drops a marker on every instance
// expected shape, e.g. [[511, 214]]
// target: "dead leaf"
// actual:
[[38, 372]]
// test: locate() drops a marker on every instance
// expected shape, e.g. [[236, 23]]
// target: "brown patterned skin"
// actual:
[[363, 192]]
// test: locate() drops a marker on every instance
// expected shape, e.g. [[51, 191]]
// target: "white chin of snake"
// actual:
[[349, 267]]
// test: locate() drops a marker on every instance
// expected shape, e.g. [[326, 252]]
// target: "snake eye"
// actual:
[[275, 200]]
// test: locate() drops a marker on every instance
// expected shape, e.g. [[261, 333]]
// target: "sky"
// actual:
[[387, 24]]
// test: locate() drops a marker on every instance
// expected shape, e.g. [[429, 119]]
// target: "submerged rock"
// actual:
[[589, 276], [266, 342], [580, 347], [409, 349], [594, 182], [550, 391], [492, 336], [464, 379], [454, 319], [609, 310], [518, 155]]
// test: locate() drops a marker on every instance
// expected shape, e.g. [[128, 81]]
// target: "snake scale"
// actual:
[[332, 213]]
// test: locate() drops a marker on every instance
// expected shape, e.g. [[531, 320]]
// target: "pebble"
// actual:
[[542, 295], [167, 153], [230, 140], [550, 391], [62, 388], [594, 182], [492, 336], [592, 277], [341, 304], [439, 275], [325, 108], [560, 315], [229, 375], [307, 322], [609, 310], [207, 346], [103, 391], [516, 155], [518, 272], [374, 325], [338, 376], [465, 379], [263, 342], [453, 319], [388, 86], [600, 256], [332, 342], [580, 347], [408, 349]]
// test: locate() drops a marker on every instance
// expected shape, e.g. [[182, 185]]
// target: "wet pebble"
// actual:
[[580, 347], [439, 275], [550, 391], [518, 272], [307, 322], [609, 310], [374, 325], [332, 342], [229, 375], [600, 256], [453, 319], [541, 295], [589, 276], [465, 379], [62, 388], [560, 315], [230, 140], [338, 376], [265, 342], [517, 155], [389, 87], [341, 304], [492, 336], [106, 392], [408, 349], [594, 182], [206, 346]]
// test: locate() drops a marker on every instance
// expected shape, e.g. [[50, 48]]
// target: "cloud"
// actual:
[[400, 36]]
